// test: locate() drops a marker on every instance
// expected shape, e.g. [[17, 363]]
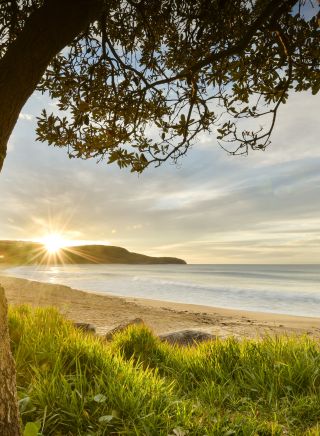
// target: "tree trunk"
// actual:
[[9, 414], [46, 32]]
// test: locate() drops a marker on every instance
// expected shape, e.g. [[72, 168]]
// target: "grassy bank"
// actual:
[[74, 384]]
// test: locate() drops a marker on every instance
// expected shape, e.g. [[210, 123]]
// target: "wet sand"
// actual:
[[107, 311]]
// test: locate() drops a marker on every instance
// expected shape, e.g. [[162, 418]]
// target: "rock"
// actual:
[[123, 326], [85, 327], [186, 337]]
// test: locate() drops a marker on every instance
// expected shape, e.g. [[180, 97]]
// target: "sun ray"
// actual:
[[53, 242], [55, 249]]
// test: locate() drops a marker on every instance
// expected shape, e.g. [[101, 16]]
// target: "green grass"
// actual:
[[75, 384]]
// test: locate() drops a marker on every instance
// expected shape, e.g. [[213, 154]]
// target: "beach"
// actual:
[[107, 311]]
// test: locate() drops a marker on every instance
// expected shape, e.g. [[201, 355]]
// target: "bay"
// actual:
[[286, 289]]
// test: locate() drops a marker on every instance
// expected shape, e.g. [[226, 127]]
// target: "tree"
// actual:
[[137, 81], [9, 417]]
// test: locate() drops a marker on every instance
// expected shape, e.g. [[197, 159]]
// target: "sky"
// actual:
[[210, 208]]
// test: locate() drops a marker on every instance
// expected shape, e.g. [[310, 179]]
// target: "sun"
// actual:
[[53, 243]]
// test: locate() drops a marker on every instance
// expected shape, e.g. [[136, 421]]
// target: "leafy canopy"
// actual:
[[143, 81]]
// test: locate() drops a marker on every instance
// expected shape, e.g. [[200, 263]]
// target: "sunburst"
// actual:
[[53, 243]]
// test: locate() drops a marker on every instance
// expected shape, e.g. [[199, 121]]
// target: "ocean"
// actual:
[[285, 289]]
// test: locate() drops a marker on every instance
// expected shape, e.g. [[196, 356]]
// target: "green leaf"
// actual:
[[100, 398], [105, 418], [179, 432], [23, 404], [31, 429], [83, 106], [229, 433]]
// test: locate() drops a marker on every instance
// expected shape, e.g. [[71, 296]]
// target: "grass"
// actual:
[[70, 383]]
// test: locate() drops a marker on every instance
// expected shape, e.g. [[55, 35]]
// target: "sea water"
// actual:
[[286, 289]]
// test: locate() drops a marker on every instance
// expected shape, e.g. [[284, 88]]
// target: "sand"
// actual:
[[106, 312]]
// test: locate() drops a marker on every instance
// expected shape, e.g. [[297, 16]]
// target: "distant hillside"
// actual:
[[32, 253]]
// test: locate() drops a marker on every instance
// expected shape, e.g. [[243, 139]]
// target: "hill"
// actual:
[[33, 253]]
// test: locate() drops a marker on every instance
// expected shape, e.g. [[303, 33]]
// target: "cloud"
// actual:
[[26, 117], [211, 208]]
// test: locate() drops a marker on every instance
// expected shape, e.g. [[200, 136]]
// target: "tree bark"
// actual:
[[46, 32], [9, 414]]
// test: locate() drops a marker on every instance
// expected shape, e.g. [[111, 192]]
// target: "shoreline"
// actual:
[[107, 311]]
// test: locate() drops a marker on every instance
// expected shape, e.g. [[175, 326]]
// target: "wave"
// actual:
[[208, 285]]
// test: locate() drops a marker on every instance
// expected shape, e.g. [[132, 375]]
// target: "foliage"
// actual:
[[143, 81], [70, 383]]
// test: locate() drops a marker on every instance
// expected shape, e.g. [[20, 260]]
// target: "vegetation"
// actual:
[[29, 253], [137, 81], [70, 383]]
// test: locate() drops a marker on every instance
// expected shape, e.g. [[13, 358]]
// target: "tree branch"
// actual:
[[271, 11]]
